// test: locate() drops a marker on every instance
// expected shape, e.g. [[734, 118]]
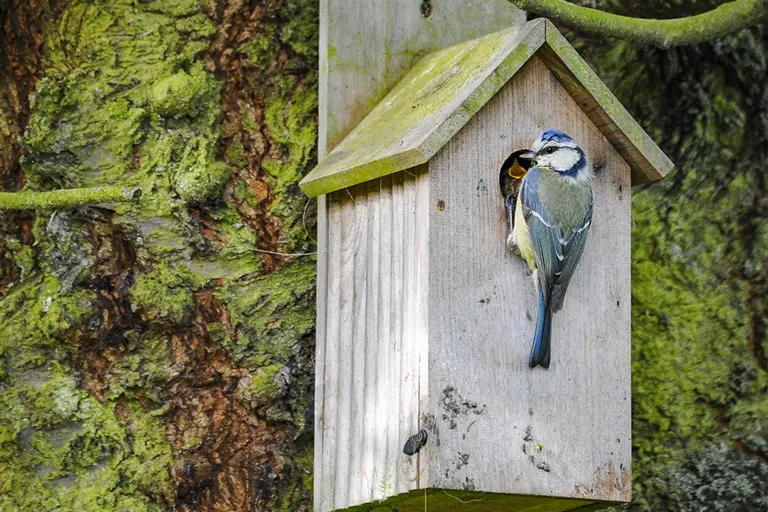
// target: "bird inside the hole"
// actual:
[[510, 178]]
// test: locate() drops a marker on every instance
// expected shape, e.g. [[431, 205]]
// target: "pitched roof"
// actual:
[[446, 88]]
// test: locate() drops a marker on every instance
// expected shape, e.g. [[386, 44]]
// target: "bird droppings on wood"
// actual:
[[455, 406], [608, 484]]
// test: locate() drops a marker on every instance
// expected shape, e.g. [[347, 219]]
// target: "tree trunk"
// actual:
[[154, 357], [158, 355]]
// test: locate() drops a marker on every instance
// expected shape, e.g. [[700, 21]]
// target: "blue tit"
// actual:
[[552, 219], [510, 178]]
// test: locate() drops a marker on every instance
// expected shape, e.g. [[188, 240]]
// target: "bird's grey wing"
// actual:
[[544, 232], [572, 246], [557, 252]]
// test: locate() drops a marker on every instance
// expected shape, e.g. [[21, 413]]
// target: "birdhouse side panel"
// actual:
[[502, 426], [371, 367]]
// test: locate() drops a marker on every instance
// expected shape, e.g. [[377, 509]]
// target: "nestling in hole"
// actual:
[[510, 177]]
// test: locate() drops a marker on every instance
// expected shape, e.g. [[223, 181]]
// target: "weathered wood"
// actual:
[[366, 47], [359, 336], [563, 432], [446, 88], [326, 394]]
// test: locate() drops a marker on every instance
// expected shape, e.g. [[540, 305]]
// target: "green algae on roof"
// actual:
[[446, 88]]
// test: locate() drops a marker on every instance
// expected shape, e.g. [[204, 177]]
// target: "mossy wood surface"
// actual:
[[446, 88], [449, 500], [67, 198]]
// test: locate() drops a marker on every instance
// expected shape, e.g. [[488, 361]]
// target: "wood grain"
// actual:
[[366, 46], [375, 340], [562, 432]]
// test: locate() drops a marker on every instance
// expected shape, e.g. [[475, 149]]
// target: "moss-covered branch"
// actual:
[[66, 198], [726, 19]]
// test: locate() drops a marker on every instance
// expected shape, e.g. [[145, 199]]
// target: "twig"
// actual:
[[66, 198], [294, 254], [461, 500], [725, 19]]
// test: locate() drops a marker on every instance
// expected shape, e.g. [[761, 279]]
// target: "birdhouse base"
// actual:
[[472, 501]]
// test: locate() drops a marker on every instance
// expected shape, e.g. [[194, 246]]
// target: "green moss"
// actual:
[[124, 102], [270, 313], [259, 49], [183, 94], [199, 177], [35, 317], [145, 368], [164, 294], [236, 153], [290, 120], [262, 388], [59, 447]]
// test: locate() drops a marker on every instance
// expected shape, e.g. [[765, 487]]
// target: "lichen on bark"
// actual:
[[131, 314]]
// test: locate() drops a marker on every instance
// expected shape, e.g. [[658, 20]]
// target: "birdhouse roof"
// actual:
[[446, 88]]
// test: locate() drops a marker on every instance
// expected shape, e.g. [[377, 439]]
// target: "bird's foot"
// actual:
[[512, 244]]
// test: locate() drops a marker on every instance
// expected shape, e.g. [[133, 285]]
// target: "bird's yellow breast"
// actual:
[[522, 236]]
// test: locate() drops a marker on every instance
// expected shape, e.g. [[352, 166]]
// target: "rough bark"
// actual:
[[151, 358]]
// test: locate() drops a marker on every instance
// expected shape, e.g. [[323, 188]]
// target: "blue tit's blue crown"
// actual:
[[553, 135]]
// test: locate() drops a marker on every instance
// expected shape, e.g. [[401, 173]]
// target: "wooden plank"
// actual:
[[328, 402], [647, 161], [344, 409], [366, 46], [420, 328], [360, 343], [562, 432], [387, 416], [373, 430], [321, 298], [434, 100], [396, 311]]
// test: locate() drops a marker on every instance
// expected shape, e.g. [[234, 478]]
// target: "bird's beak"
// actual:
[[527, 155]]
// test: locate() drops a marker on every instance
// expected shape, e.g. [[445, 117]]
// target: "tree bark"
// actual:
[[157, 355], [152, 357]]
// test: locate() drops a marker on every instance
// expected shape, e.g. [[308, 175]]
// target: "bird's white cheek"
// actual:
[[564, 159]]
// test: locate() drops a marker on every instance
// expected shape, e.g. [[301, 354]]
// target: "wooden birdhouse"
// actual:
[[425, 318]]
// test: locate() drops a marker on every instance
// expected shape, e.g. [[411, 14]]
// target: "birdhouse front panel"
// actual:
[[500, 425], [371, 375]]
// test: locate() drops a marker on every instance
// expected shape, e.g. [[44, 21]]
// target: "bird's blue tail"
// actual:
[[541, 340]]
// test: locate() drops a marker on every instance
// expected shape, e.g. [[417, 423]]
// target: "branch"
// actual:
[[726, 19], [66, 198]]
